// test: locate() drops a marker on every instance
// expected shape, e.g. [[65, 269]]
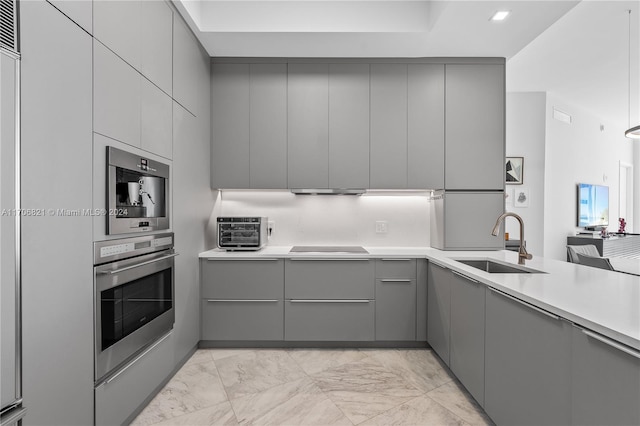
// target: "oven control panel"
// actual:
[[111, 250]]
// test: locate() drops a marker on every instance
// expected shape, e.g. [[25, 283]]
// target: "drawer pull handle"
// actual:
[[395, 260], [358, 259], [611, 343], [243, 300], [466, 277], [542, 311], [438, 265], [330, 301], [244, 259], [404, 281]]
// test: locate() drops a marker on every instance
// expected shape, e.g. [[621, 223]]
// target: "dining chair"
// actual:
[[596, 262], [587, 249]]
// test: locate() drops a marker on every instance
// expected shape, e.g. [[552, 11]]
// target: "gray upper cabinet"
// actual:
[[156, 39], [605, 378], [190, 69], [388, 141], [466, 355], [474, 117], [425, 126], [80, 12], [464, 220], [268, 126], [230, 126], [308, 125], [125, 38], [527, 364], [156, 120], [349, 125], [439, 309], [116, 97]]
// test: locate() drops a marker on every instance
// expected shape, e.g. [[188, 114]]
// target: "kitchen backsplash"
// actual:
[[334, 220]]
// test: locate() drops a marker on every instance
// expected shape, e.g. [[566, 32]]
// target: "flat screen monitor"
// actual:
[[593, 205]]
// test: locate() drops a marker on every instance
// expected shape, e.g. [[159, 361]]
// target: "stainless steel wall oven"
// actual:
[[137, 193], [134, 298]]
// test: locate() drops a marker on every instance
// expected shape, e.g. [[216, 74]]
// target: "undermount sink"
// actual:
[[494, 267]]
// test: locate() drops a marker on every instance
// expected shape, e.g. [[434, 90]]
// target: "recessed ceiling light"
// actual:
[[500, 15]]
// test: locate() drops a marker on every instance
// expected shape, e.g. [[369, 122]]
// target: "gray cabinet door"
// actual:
[[474, 117], [527, 364], [242, 279], [439, 309], [425, 126], [466, 355], [116, 96], [190, 69], [268, 126], [329, 320], [469, 218], [349, 125], [123, 38], [230, 108], [421, 300], [308, 125], [395, 309], [156, 131], [256, 319], [117, 400], [156, 43], [329, 279], [388, 144], [605, 381]]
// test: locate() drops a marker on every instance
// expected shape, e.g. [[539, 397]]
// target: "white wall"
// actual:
[[333, 220], [578, 152], [525, 137]]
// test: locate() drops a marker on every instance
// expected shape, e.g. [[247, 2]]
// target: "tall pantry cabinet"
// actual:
[[98, 73]]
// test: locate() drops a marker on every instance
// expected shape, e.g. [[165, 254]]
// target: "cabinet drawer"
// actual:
[[242, 279], [119, 397], [329, 320], [395, 268], [329, 279], [255, 319]]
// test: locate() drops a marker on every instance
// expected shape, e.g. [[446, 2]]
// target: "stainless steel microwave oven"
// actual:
[[137, 193], [242, 233]]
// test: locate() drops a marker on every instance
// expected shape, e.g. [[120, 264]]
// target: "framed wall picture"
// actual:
[[521, 198], [514, 170]]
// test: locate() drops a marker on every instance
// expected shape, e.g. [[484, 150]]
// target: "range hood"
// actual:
[[328, 191]]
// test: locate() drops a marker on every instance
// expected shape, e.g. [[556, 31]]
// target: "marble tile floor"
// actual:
[[313, 387]]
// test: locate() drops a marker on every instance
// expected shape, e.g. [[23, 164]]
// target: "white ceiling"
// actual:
[[577, 50]]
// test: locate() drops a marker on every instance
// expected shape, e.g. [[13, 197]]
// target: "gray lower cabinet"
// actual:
[[466, 355], [329, 320], [439, 309], [329, 279], [527, 363], [329, 299], [118, 399], [396, 299], [605, 381], [421, 299], [242, 299]]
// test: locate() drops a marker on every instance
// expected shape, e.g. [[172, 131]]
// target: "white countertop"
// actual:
[[603, 301]]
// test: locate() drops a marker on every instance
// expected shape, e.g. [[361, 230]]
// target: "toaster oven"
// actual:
[[242, 233]]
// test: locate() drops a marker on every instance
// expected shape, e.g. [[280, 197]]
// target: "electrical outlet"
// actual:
[[381, 227], [271, 226]]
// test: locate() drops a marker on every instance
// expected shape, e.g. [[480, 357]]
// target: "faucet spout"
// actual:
[[522, 250]]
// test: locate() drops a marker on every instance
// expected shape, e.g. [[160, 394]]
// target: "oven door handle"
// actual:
[[117, 271]]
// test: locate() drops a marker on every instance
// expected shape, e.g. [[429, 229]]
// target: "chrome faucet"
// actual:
[[522, 251]]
